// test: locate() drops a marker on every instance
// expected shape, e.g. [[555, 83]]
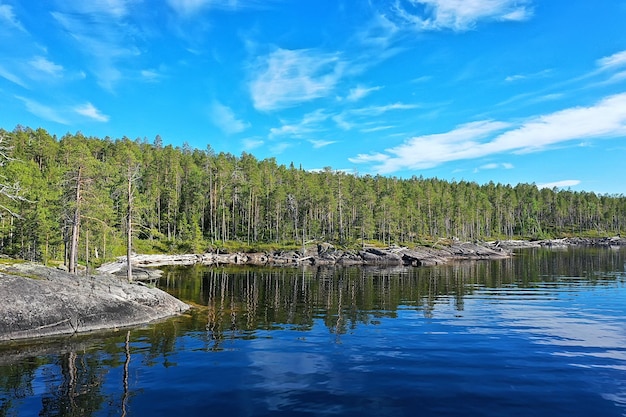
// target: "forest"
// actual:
[[79, 199]]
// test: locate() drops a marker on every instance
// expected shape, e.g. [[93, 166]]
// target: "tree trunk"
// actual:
[[75, 227], [129, 228]]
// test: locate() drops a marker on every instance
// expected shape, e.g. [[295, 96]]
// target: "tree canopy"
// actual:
[[192, 200]]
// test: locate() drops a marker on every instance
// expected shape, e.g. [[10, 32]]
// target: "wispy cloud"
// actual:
[[4, 73], [252, 143], [223, 117], [494, 165], [151, 75], [287, 78], [44, 65], [378, 110], [114, 8], [104, 32], [310, 122], [519, 77], [90, 111], [459, 15], [353, 118], [188, 8], [360, 92], [42, 111], [8, 18], [605, 119], [376, 129], [321, 143], [616, 60], [378, 33], [559, 184]]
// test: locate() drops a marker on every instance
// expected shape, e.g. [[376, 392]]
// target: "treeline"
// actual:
[[186, 199]]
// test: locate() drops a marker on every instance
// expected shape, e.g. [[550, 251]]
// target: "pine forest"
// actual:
[[74, 198]]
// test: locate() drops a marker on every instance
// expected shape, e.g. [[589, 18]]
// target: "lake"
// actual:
[[541, 334]]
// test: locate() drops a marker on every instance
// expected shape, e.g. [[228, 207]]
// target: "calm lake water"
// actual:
[[542, 334]]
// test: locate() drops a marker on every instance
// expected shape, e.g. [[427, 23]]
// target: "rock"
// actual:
[[40, 301]]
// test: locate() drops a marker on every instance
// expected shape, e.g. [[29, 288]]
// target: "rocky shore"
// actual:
[[606, 242], [327, 254], [40, 301], [321, 254]]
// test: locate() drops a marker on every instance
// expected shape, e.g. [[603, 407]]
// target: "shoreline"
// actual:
[[41, 301], [323, 254], [327, 254]]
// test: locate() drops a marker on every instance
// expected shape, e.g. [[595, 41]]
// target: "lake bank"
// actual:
[[321, 254], [327, 254], [607, 242], [41, 301]]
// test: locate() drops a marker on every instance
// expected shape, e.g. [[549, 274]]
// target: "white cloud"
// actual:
[[188, 8], [251, 143], [114, 8], [378, 33], [515, 77], [8, 17], [378, 110], [617, 77], [223, 117], [104, 33], [518, 77], [376, 129], [42, 111], [359, 92], [493, 165], [321, 143], [310, 123], [605, 119], [91, 112], [348, 119], [12, 77], [611, 62], [287, 78], [342, 123], [151, 76], [42, 64], [559, 184], [459, 15]]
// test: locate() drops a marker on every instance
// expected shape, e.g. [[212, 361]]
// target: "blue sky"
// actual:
[[508, 91]]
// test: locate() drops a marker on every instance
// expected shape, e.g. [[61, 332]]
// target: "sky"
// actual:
[[509, 91]]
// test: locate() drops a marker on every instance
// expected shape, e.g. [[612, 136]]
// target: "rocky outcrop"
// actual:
[[327, 254], [322, 254], [39, 301], [614, 241]]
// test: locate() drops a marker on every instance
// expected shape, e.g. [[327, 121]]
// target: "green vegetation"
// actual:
[[74, 199]]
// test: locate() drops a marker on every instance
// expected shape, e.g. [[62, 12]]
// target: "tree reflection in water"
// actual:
[[84, 375], [241, 300]]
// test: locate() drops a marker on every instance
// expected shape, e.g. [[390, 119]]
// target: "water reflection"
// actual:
[[238, 301], [366, 341], [79, 375]]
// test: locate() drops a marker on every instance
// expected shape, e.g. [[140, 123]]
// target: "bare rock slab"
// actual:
[[39, 301]]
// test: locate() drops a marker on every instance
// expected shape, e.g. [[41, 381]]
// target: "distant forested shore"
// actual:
[[74, 197]]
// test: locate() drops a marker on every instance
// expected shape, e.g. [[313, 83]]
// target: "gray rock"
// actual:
[[39, 301]]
